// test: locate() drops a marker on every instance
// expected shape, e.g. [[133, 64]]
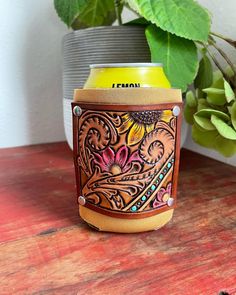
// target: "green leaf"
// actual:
[[225, 146], [229, 94], [223, 128], [69, 10], [204, 76], [212, 140], [229, 108], [188, 114], [184, 18], [138, 22], [214, 91], [191, 100], [199, 93], [218, 80], [233, 115], [222, 109], [178, 55], [96, 13], [207, 113], [86, 13], [215, 96], [202, 104], [204, 138], [205, 123]]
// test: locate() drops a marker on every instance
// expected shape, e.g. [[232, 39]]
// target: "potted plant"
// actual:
[[175, 34], [211, 109], [94, 40]]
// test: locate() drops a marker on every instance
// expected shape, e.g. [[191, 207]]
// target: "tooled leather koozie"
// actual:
[[126, 158]]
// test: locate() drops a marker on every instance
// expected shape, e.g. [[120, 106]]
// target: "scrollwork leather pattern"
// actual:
[[125, 159]]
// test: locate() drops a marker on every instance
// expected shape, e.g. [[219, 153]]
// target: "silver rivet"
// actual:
[[77, 111], [176, 111], [81, 200], [170, 202]]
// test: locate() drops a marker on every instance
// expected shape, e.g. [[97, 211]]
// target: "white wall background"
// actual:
[[30, 73], [30, 69]]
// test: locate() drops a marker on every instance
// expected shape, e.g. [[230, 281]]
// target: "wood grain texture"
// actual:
[[46, 248]]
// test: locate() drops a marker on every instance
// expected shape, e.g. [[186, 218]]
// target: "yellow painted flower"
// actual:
[[139, 123]]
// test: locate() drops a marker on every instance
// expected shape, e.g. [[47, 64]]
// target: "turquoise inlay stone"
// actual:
[[138, 203], [144, 198], [134, 208], [148, 193], [153, 187], [169, 165], [157, 181], [161, 176], [172, 160], [164, 170]]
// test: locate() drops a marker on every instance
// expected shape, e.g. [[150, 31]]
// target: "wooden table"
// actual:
[[47, 249]]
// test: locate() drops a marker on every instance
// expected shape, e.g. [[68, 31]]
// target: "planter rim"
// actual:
[[100, 28]]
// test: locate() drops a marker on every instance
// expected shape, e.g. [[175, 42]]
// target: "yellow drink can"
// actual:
[[127, 75]]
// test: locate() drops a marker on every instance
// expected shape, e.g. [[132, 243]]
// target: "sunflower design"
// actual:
[[136, 124]]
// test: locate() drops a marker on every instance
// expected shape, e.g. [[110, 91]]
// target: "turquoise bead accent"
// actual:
[[153, 187], [169, 165], [161, 176], [172, 160], [164, 170], [144, 198], [134, 208]]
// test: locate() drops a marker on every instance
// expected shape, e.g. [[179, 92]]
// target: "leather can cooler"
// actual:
[[126, 157]]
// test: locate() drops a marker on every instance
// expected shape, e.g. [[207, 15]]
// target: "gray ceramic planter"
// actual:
[[113, 44]]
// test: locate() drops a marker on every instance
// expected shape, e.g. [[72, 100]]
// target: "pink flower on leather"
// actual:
[[115, 162], [162, 196]]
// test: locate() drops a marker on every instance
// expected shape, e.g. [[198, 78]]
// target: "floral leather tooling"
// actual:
[[125, 160]]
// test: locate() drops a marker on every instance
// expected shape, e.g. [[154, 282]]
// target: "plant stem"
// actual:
[[216, 62], [117, 9], [226, 39], [223, 54]]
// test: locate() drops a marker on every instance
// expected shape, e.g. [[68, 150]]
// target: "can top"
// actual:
[[125, 65]]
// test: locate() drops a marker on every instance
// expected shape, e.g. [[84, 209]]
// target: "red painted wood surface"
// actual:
[[45, 248]]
